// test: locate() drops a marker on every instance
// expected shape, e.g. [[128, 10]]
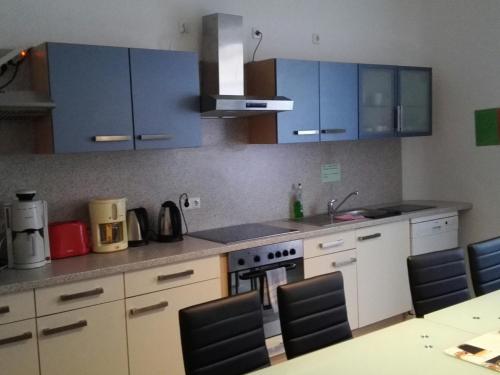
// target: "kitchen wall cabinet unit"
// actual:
[[383, 286], [110, 98]]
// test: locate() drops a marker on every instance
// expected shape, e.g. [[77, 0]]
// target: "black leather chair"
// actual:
[[484, 259], [224, 336], [313, 314], [437, 280]]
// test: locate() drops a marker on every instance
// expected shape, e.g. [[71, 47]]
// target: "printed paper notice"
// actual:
[[330, 172]]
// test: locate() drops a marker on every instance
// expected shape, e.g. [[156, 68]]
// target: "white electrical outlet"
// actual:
[[315, 38], [194, 203], [183, 27], [255, 33]]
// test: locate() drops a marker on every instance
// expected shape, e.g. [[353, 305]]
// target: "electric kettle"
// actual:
[[169, 223], [137, 227]]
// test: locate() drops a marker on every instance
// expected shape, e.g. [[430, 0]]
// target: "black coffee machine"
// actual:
[[169, 223]]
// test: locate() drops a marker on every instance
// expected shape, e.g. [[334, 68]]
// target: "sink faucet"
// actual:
[[332, 210]]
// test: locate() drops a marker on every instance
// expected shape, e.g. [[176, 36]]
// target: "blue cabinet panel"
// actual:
[[299, 81], [338, 101], [91, 88], [165, 97]]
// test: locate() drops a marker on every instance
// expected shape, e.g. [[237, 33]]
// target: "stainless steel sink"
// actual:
[[326, 220]]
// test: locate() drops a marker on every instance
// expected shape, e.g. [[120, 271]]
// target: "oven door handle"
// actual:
[[255, 274]]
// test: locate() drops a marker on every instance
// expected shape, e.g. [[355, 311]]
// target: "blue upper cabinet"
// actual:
[[90, 86], [414, 110], [377, 101], [338, 84], [165, 97], [299, 81]]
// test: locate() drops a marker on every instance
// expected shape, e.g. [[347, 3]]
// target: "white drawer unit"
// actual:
[[171, 275], [18, 348], [17, 306], [331, 243], [54, 299], [434, 233]]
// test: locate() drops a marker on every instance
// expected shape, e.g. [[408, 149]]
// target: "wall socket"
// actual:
[[194, 203], [315, 39], [255, 33]]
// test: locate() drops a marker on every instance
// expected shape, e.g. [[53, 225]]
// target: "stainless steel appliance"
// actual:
[[243, 232], [169, 223], [137, 227], [27, 232], [247, 271]]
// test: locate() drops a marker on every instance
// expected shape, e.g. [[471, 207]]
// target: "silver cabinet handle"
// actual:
[[21, 337], [369, 237], [333, 131], [326, 245], [4, 309], [69, 327], [154, 137], [398, 119], [345, 263], [141, 310], [87, 293], [306, 132], [437, 227], [175, 275], [112, 138]]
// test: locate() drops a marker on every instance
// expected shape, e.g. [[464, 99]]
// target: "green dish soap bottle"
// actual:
[[298, 209]]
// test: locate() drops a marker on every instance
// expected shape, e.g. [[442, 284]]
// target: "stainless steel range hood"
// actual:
[[14, 104], [222, 76]]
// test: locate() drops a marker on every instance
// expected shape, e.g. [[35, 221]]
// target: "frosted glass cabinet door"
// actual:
[[415, 101], [377, 101]]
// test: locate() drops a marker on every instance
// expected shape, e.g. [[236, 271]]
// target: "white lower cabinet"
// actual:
[[85, 341], [18, 349], [383, 288], [154, 342]]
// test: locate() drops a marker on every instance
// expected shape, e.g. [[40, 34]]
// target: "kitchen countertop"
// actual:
[[157, 254]]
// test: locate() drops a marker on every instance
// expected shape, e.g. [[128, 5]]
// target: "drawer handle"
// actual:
[[437, 227], [69, 327], [345, 263], [306, 132], [145, 309], [4, 309], [370, 237], [326, 245], [333, 131], [175, 275], [21, 337], [112, 138], [154, 137], [87, 293]]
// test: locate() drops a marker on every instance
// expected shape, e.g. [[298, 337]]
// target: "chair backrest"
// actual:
[[224, 336], [313, 314], [437, 280], [484, 259]]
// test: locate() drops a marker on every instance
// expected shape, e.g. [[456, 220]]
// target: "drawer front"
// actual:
[[171, 275], [17, 306], [79, 294], [85, 341], [332, 243], [153, 327], [18, 349], [345, 262]]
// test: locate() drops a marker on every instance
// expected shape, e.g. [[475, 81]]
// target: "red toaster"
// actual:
[[68, 239]]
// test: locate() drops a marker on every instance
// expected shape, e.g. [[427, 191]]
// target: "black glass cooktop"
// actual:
[[403, 208], [237, 233]]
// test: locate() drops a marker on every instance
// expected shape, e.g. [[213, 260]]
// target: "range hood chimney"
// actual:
[[222, 74]]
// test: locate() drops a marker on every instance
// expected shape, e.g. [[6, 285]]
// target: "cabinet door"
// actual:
[[165, 96], [86, 341], [18, 350], [154, 341], [415, 101], [338, 101], [383, 287], [345, 262], [90, 86], [299, 81], [377, 101]]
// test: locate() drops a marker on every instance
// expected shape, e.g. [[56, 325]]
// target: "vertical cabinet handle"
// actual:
[[21, 337], [175, 275], [327, 245], [344, 263], [306, 132], [4, 309], [369, 237], [69, 327], [87, 293], [112, 138], [141, 310]]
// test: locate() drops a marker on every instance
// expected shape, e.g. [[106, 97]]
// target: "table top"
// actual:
[[414, 347], [478, 315]]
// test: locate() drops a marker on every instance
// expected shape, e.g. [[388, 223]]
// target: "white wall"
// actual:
[[464, 41]]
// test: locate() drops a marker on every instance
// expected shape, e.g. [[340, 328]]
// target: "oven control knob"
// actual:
[[241, 262], [285, 253], [292, 251], [270, 256], [278, 254], [256, 258]]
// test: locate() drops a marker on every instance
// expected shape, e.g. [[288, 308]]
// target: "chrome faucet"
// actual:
[[332, 210]]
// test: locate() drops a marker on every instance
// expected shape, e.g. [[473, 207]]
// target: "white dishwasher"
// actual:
[[434, 233]]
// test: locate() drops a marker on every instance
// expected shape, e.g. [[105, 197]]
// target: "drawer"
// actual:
[[18, 348], [171, 275], [331, 243], [54, 299], [17, 306]]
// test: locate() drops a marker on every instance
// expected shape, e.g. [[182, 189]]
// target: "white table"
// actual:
[[414, 347], [478, 315]]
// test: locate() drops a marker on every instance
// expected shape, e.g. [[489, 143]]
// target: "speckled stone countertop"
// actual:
[[157, 254]]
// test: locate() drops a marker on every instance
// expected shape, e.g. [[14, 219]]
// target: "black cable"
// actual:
[[257, 32], [182, 211], [11, 78]]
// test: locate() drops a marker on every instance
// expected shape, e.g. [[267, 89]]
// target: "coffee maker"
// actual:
[[27, 232], [108, 224]]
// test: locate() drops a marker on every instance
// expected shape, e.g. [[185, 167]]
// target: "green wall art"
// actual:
[[488, 127]]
